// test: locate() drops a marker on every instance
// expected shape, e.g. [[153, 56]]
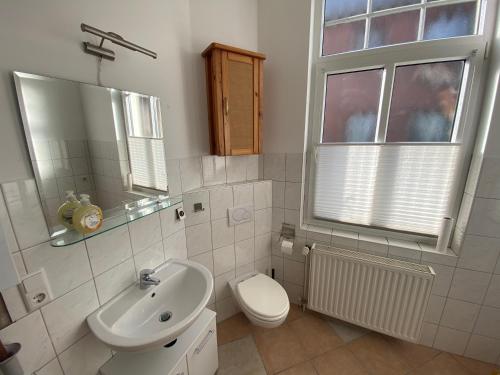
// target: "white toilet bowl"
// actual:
[[262, 299]]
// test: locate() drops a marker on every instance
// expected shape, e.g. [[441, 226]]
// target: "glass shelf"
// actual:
[[113, 219]]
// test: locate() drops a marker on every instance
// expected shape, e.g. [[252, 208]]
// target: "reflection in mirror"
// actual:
[[91, 140]]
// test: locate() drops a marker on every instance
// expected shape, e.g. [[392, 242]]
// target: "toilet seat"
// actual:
[[263, 300]]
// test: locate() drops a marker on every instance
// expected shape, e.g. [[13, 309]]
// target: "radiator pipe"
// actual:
[[306, 251]]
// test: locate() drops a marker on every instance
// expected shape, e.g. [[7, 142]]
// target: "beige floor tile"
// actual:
[[305, 368], [415, 355], [233, 328], [477, 367], [443, 364], [279, 348], [240, 357], [315, 335], [339, 362], [377, 355], [346, 331]]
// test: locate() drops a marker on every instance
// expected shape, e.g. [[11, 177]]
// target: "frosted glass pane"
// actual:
[[424, 102], [343, 37], [351, 106], [386, 4], [450, 21], [337, 9], [394, 29]]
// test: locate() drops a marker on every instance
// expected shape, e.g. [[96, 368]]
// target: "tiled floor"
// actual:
[[308, 344]]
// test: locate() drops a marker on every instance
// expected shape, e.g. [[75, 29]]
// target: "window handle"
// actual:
[[204, 342]]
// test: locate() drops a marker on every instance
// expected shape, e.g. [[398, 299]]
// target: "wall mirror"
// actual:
[[94, 140]]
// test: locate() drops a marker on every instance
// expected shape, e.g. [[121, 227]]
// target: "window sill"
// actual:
[[410, 251]]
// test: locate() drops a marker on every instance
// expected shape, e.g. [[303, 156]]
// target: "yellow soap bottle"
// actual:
[[66, 211], [88, 217]]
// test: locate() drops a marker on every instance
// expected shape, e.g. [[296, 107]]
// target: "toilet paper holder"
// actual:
[[287, 232]]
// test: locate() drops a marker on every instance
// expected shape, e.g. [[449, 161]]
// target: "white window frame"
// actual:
[[470, 48]]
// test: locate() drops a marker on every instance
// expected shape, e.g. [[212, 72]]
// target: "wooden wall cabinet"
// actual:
[[234, 88]]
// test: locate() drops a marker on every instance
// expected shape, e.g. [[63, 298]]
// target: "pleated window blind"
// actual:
[[398, 187]]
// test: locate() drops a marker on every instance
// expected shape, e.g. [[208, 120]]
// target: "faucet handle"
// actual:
[[146, 272]]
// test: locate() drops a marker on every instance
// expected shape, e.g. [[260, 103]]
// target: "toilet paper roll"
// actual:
[[287, 247]]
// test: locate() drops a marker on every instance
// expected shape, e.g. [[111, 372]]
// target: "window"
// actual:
[[145, 141], [394, 86]]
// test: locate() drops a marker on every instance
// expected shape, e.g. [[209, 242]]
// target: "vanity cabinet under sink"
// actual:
[[194, 353]]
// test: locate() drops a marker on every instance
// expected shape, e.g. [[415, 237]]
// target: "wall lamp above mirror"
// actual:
[[105, 53]]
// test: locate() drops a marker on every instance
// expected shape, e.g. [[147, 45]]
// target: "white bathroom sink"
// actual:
[[138, 320]]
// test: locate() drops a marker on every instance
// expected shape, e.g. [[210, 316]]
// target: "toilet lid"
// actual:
[[263, 296]]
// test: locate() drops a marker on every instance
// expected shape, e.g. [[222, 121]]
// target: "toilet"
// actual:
[[263, 300]]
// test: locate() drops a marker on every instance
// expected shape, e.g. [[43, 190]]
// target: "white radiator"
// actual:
[[381, 294]]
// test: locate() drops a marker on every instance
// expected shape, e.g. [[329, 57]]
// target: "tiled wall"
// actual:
[[463, 315], [84, 276]]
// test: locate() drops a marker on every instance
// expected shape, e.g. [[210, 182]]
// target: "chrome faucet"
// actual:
[[146, 280]]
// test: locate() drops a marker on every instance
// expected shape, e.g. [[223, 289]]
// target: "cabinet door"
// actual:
[[202, 357], [181, 368], [241, 103]]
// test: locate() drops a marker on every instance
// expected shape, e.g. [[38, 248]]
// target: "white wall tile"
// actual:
[[278, 194], [253, 166], [236, 169], [293, 272], [278, 219], [6, 225], [66, 267], [175, 246], [169, 221], [278, 264], [109, 249], [263, 221], [36, 348], [114, 281], [460, 315], [292, 195], [263, 195], [221, 285], [243, 195], [174, 177], [205, 259], [295, 292], [469, 285], [484, 217], [51, 368], [244, 231], [85, 357], [220, 200], [483, 348], [489, 180], [319, 234], [451, 340], [191, 177], [493, 293], [198, 239], [66, 316], [479, 253], [428, 334], [488, 323], [262, 246], [224, 260], [293, 217], [442, 280], [14, 302], [222, 233], [214, 170], [150, 258], [244, 252], [373, 244], [274, 167], [189, 200], [246, 268], [293, 167], [404, 249], [226, 309], [434, 309], [263, 265], [145, 232], [429, 255], [28, 222]]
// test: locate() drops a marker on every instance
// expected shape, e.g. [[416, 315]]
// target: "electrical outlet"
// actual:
[[36, 290]]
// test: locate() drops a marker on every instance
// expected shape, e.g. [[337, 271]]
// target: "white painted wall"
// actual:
[[45, 38], [284, 37]]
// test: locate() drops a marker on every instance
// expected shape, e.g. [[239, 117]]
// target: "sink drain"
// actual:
[[165, 316]]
